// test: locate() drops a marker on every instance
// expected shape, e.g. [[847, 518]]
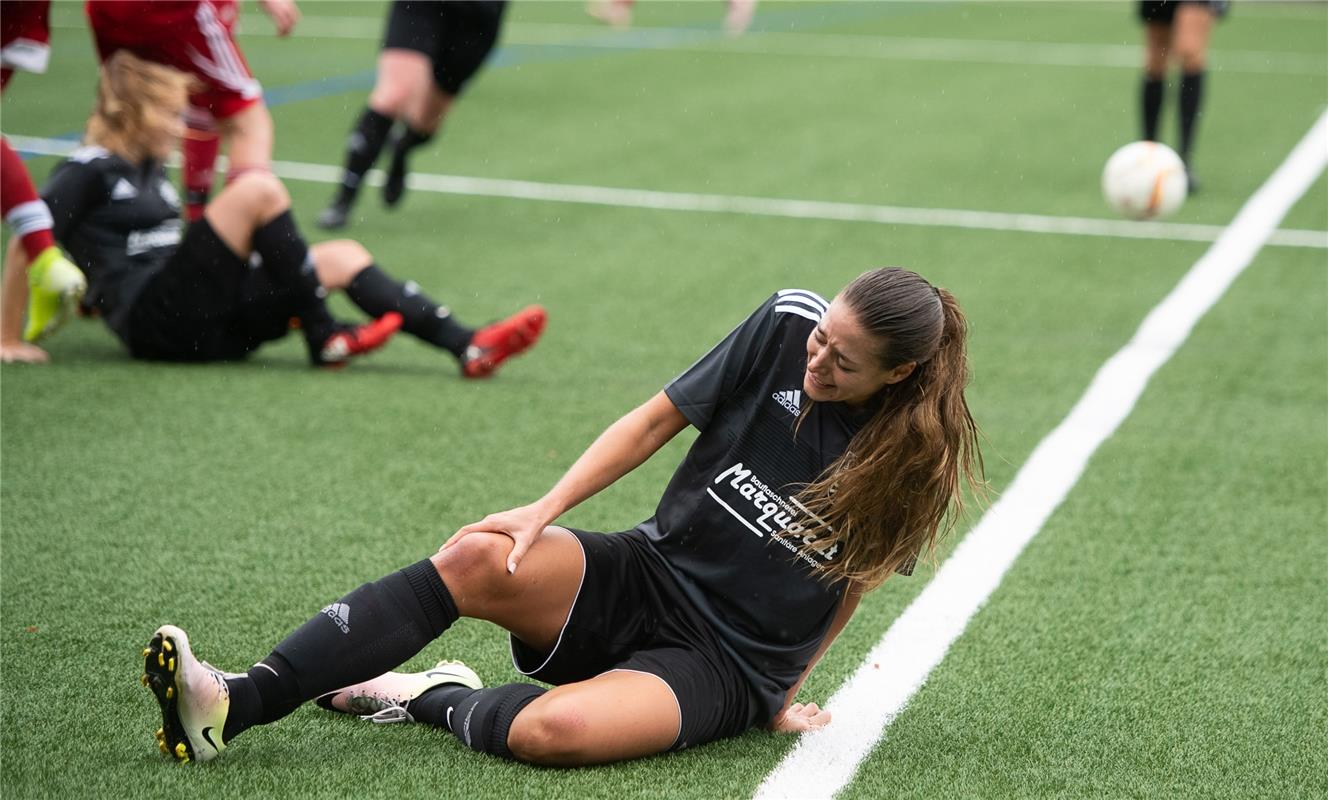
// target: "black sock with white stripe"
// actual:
[[480, 718], [285, 257], [374, 291], [372, 630], [365, 142]]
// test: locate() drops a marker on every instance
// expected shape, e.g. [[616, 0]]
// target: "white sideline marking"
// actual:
[[824, 762], [758, 206]]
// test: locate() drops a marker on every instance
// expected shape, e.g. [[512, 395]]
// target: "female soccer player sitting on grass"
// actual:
[[834, 439], [235, 278]]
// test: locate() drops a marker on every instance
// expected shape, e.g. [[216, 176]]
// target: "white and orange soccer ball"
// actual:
[[1144, 180]]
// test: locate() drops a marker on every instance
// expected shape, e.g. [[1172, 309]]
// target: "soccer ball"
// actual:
[[1143, 180]]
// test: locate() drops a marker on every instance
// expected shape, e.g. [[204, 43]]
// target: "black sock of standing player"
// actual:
[[286, 257], [480, 718], [362, 149], [376, 293], [395, 185], [1191, 98], [370, 631], [1152, 105]]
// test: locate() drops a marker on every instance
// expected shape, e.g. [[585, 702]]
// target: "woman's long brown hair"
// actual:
[[134, 97], [897, 487]]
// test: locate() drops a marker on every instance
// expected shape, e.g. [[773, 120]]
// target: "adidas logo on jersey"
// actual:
[[339, 613], [123, 190], [790, 399]]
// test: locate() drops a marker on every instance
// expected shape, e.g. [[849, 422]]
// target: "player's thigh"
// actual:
[[1157, 45], [534, 602], [404, 77], [247, 203], [1194, 23], [249, 136], [612, 717]]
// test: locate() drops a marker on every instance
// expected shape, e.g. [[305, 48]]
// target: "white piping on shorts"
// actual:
[[570, 611], [671, 691]]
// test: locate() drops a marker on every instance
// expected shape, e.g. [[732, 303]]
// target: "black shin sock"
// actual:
[[1191, 99], [368, 632], [376, 293], [1152, 105], [362, 149], [480, 718], [286, 257], [407, 141]]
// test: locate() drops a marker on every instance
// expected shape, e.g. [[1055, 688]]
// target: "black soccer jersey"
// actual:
[[728, 524], [119, 223]]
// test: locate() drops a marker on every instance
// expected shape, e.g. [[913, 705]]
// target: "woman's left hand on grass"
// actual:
[[798, 718]]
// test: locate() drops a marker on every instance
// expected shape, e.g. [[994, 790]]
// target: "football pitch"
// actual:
[[1163, 634]]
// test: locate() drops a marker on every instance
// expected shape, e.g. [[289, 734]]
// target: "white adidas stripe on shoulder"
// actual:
[[811, 298], [800, 311], [801, 302], [90, 152]]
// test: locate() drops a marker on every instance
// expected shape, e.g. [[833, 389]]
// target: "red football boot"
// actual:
[[494, 344], [343, 345]]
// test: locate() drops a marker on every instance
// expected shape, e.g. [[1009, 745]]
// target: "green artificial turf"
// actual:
[[1162, 637]]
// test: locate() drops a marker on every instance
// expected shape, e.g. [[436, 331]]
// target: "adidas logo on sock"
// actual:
[[339, 613], [790, 399]]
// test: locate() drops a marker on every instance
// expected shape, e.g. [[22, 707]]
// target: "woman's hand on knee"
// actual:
[[522, 525], [799, 718]]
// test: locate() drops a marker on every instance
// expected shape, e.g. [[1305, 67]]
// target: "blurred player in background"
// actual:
[[198, 37], [1177, 30], [618, 13], [55, 286], [430, 51], [200, 295], [834, 441]]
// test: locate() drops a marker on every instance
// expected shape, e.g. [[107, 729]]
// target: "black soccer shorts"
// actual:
[[456, 36], [1164, 11], [207, 304], [630, 614]]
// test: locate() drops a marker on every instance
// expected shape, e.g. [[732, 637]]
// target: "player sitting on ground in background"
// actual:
[[201, 295], [834, 438]]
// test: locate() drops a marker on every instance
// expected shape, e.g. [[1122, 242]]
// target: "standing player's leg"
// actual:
[[1194, 23], [403, 77], [252, 215], [421, 124], [198, 151], [55, 286], [345, 264], [466, 35], [369, 631], [1157, 43]]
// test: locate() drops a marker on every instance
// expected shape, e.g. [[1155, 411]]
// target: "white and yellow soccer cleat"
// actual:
[[193, 696], [55, 287], [387, 697]]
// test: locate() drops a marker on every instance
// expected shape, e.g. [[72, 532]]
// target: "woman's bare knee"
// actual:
[[262, 192], [473, 569], [552, 732], [339, 261]]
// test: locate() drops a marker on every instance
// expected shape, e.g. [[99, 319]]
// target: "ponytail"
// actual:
[[897, 487]]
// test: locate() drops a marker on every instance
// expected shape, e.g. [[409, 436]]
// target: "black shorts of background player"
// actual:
[[200, 294], [430, 51], [1177, 30], [701, 622]]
